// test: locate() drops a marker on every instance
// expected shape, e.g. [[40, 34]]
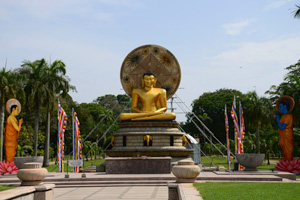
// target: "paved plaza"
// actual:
[[129, 192]]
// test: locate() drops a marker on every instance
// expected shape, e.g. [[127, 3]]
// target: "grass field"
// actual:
[[54, 168], [217, 160], [5, 187], [241, 191]]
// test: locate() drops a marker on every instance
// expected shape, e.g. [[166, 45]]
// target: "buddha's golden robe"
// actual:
[[10, 140], [286, 137]]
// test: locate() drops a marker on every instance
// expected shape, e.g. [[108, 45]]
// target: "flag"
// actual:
[[227, 139], [237, 131], [242, 123], [62, 122], [77, 151], [242, 128], [236, 126]]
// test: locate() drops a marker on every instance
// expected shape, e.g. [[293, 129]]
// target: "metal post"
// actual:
[[83, 175], [67, 175]]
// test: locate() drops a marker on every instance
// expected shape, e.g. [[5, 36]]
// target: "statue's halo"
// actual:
[[288, 100], [156, 59], [12, 102]]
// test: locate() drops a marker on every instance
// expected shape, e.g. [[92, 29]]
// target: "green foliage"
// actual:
[[51, 152], [114, 103], [258, 191], [297, 11], [213, 103], [28, 150], [20, 152], [291, 87]]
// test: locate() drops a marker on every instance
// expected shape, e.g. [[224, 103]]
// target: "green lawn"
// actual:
[[217, 160], [54, 168], [5, 187], [245, 191]]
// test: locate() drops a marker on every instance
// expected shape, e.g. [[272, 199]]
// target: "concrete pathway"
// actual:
[[110, 193]]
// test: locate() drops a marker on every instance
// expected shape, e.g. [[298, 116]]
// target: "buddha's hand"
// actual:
[[21, 121], [161, 110]]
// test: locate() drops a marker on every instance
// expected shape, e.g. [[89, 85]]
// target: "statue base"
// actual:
[[138, 165], [166, 140]]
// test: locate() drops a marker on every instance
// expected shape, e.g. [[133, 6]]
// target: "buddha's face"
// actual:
[[15, 111], [149, 81], [283, 108]]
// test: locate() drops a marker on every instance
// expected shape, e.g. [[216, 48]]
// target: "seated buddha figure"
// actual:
[[148, 102]]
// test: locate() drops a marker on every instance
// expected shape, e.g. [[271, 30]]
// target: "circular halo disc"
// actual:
[[153, 58], [12, 102]]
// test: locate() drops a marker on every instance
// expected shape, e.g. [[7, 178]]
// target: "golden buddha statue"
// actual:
[[148, 102]]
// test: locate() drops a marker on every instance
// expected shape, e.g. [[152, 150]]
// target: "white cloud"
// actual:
[[277, 4], [253, 64], [236, 28]]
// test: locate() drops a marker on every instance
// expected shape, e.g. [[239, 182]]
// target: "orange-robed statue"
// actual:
[[12, 129], [284, 105]]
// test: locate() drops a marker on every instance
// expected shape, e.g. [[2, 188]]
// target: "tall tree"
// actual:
[[291, 87], [36, 89], [297, 11], [213, 104], [58, 84], [258, 113]]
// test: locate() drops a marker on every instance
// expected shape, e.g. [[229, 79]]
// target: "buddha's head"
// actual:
[[149, 79], [14, 109], [283, 107]]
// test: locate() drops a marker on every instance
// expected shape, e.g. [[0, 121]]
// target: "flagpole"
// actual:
[[58, 139], [73, 129], [227, 139]]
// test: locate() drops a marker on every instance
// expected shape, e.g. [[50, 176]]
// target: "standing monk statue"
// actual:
[[148, 102], [12, 129], [284, 105]]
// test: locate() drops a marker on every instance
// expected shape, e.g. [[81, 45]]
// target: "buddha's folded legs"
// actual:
[[161, 116], [130, 116]]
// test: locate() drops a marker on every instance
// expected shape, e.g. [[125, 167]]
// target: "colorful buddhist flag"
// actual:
[[242, 127], [236, 127], [227, 138], [77, 151], [62, 122]]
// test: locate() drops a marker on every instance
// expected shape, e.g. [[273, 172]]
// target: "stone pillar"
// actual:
[[32, 174], [186, 171]]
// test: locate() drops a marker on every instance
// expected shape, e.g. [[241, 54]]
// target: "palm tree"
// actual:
[[259, 113], [7, 84], [297, 12], [58, 84], [35, 88]]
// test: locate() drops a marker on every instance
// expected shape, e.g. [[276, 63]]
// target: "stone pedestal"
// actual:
[[32, 174], [186, 171], [166, 140], [138, 165], [250, 160]]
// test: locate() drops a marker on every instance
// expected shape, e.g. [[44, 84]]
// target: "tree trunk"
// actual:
[[47, 141], [257, 139], [36, 125], [1, 129]]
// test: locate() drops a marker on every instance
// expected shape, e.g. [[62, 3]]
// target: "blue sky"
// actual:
[[243, 45]]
